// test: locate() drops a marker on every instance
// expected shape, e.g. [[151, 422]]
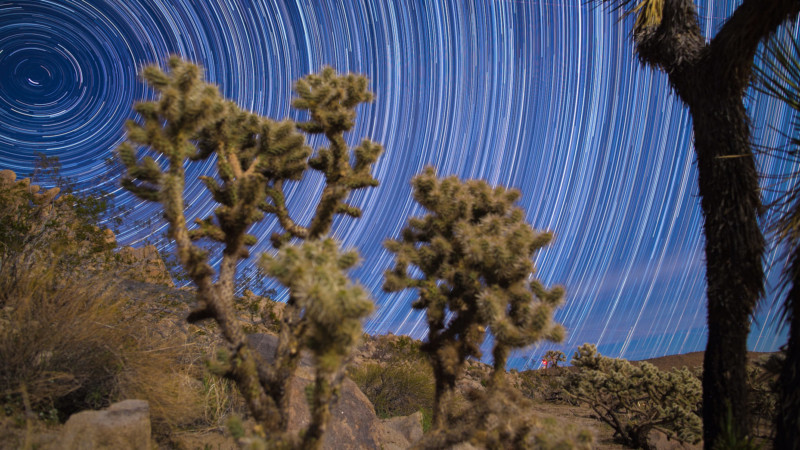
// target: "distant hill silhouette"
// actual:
[[691, 360]]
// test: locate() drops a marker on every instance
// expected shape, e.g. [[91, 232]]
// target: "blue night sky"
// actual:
[[545, 96]]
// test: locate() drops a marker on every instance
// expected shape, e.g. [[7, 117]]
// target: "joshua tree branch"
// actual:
[[735, 45]]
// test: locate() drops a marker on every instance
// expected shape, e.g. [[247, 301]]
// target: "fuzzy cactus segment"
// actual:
[[315, 273]]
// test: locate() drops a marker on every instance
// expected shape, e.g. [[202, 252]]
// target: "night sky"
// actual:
[[545, 96]]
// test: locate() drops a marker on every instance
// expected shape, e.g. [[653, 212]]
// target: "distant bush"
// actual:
[[396, 389], [762, 379], [635, 399], [544, 385], [553, 357]]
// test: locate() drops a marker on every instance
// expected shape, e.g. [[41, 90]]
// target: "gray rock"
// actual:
[[410, 427], [124, 425], [353, 423]]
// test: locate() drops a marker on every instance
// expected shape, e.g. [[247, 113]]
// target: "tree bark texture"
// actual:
[[787, 433], [711, 79]]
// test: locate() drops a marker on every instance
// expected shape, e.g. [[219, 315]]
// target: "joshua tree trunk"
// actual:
[[787, 435], [711, 78]]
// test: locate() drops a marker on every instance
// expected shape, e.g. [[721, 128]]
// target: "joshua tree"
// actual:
[[255, 156], [779, 76], [711, 79], [473, 250]]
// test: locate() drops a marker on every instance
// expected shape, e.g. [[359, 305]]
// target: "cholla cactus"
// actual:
[[255, 156], [634, 400], [315, 274], [474, 252], [330, 100]]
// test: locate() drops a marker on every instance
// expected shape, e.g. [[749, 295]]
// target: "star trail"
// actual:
[[545, 96]]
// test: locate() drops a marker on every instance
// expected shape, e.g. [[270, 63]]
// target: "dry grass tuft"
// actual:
[[61, 343], [396, 389], [72, 345]]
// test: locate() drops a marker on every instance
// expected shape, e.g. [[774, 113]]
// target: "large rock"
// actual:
[[410, 427], [353, 424], [124, 425]]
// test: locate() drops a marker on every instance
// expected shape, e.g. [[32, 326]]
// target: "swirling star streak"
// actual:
[[545, 96]]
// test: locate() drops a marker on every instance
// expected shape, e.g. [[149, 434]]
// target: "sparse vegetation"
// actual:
[[70, 338], [544, 385], [499, 418], [396, 389], [73, 340]]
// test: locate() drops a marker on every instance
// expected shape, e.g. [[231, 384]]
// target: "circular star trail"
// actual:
[[545, 96]]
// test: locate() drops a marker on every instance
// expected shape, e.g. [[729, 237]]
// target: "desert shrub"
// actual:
[[396, 389], [635, 399], [38, 225], [544, 385], [167, 371], [401, 348], [84, 345], [762, 399], [71, 337]]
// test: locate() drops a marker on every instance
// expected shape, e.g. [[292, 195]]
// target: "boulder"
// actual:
[[410, 427], [353, 423], [123, 425]]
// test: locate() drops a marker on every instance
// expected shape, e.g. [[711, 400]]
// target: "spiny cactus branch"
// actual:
[[254, 156]]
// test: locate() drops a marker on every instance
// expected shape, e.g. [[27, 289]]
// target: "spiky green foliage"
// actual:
[[635, 399], [315, 272], [189, 122], [473, 250], [779, 76]]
